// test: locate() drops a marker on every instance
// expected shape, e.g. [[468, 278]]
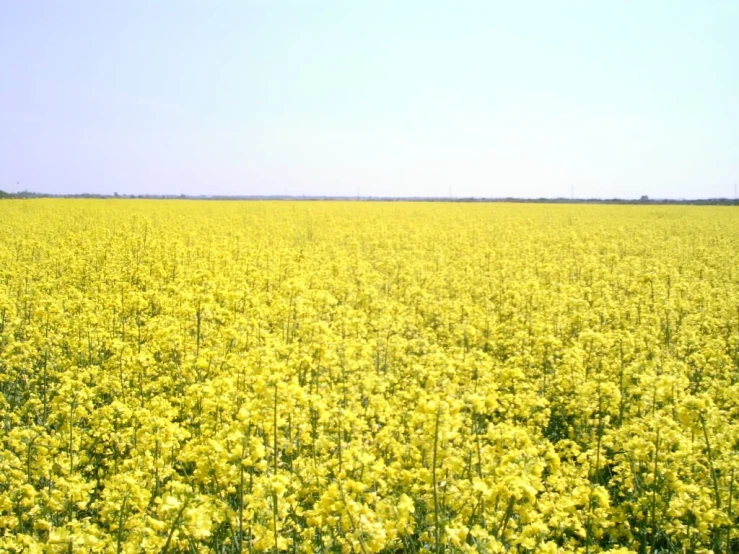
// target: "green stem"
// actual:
[[351, 519], [654, 488], [729, 512], [174, 526], [119, 531], [274, 493], [437, 530], [714, 477]]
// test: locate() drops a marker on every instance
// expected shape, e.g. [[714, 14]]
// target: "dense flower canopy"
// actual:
[[182, 376]]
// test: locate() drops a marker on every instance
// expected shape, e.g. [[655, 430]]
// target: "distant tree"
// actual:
[[644, 198], [4, 194]]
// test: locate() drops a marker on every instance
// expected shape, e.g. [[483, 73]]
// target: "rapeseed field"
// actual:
[[221, 377]]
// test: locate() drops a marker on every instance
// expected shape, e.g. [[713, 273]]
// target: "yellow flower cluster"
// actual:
[[368, 377]]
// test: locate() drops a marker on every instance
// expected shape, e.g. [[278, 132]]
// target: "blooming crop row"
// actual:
[[368, 377]]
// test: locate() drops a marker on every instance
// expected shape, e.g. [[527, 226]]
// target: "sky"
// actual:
[[371, 98]]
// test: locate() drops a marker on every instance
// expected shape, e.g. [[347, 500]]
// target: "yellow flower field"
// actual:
[[185, 376]]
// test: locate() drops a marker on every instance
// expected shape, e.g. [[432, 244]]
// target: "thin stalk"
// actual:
[[714, 477], [274, 447], [729, 512], [437, 530], [498, 533], [241, 493], [173, 528], [654, 488], [351, 519], [274, 518], [119, 531], [198, 318]]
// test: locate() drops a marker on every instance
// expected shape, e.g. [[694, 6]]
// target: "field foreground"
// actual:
[[228, 377]]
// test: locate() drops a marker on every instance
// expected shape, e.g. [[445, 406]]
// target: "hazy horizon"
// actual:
[[439, 99]]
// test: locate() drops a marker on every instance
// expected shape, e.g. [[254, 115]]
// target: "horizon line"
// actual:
[[359, 198]]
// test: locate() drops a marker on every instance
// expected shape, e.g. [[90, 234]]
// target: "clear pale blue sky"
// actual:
[[529, 98]]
